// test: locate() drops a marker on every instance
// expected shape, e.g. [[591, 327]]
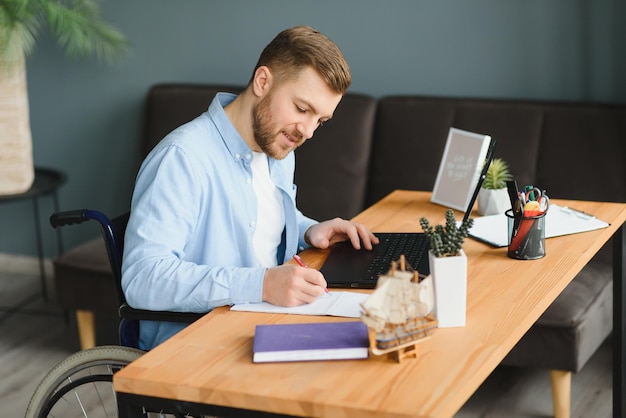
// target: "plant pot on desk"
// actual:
[[493, 201], [450, 282]]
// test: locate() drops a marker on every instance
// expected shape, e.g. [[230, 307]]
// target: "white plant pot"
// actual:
[[493, 202], [450, 282]]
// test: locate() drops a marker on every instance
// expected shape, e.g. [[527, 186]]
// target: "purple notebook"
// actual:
[[311, 341]]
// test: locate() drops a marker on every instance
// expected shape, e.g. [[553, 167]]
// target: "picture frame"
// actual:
[[461, 164]]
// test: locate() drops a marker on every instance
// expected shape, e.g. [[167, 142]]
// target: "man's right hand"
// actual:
[[292, 285]]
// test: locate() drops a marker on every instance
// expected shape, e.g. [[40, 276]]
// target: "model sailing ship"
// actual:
[[399, 312]]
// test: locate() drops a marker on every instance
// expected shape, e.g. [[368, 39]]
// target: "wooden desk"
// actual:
[[210, 362]]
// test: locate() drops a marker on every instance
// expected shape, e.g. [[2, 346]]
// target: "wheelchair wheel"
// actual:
[[81, 385]]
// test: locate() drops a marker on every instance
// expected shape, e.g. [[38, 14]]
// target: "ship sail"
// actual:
[[398, 309], [397, 298]]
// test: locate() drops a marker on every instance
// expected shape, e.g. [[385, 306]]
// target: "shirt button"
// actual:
[[252, 223], [248, 156], [248, 181], [237, 156]]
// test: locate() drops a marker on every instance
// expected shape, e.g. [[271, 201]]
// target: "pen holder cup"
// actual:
[[527, 236]]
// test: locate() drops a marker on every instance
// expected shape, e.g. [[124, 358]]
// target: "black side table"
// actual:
[[47, 182]]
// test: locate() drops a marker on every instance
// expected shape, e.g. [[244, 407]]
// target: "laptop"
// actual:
[[347, 267]]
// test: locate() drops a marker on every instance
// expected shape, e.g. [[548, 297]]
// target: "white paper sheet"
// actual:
[[344, 304], [560, 220]]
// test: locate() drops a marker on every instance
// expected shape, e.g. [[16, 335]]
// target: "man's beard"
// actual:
[[264, 135]]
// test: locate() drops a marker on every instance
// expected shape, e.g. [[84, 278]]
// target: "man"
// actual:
[[213, 214]]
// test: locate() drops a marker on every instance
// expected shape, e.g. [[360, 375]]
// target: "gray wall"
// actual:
[[85, 116]]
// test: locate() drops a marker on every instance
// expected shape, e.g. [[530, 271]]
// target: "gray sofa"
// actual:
[[374, 146]]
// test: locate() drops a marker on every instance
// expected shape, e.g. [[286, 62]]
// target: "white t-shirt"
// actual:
[[270, 212]]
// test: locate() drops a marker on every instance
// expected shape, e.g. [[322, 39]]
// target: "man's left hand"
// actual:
[[325, 234]]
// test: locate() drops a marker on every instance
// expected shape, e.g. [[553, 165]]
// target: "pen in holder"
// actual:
[[527, 235]]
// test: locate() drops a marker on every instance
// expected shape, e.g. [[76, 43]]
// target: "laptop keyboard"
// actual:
[[413, 246]]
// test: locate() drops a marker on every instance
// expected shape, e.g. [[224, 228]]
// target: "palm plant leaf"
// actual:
[[19, 25], [81, 31], [77, 25]]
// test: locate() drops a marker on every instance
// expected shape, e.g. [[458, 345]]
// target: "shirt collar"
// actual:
[[236, 145]]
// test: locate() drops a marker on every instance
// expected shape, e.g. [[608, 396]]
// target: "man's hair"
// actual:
[[292, 50]]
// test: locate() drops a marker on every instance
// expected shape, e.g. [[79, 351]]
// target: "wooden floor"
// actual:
[[39, 334]]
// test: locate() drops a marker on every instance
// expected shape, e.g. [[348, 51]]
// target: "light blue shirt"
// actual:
[[189, 241]]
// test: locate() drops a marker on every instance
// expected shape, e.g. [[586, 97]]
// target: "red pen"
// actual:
[[301, 263]]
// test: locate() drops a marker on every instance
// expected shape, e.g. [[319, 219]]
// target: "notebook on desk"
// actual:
[[347, 267]]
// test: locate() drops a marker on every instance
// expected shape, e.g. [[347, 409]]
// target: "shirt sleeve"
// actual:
[[162, 268], [304, 223]]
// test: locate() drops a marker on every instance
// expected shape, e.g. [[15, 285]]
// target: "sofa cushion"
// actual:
[[583, 152], [170, 105], [516, 127], [337, 155], [574, 325], [410, 138], [411, 134]]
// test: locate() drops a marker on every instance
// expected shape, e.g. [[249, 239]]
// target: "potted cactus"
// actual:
[[493, 198], [448, 267], [447, 241]]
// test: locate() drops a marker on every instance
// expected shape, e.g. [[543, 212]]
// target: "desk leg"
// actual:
[[125, 407], [55, 202], [40, 253], [42, 269], [619, 312]]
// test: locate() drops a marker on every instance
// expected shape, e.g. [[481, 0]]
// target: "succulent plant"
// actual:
[[447, 241], [497, 175]]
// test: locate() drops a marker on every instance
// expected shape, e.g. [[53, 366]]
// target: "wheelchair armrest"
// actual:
[[127, 312]]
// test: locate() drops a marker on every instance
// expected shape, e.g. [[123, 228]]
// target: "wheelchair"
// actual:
[[82, 384]]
